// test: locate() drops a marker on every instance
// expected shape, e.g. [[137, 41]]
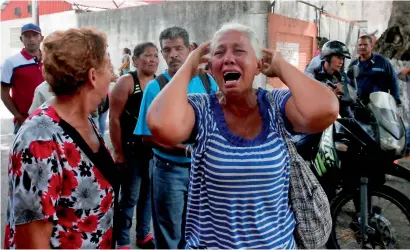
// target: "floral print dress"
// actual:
[[53, 176]]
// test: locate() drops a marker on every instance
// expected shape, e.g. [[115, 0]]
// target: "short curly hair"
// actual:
[[69, 55]]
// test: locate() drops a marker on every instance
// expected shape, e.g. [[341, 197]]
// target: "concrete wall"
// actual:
[[48, 24], [377, 13], [130, 26], [404, 90]]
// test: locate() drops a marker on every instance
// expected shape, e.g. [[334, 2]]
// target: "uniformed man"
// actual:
[[376, 72]]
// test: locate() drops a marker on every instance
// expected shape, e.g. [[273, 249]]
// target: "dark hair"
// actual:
[[78, 50], [140, 48], [369, 38], [127, 50], [195, 45], [174, 33]]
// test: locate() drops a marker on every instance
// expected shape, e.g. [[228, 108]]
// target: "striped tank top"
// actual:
[[238, 191]]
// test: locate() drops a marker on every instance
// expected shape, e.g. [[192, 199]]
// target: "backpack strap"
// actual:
[[137, 87], [205, 81], [162, 81]]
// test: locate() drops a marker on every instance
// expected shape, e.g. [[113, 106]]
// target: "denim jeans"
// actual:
[[170, 194], [135, 191], [101, 121]]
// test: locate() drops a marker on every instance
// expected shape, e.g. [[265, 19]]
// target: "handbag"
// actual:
[[307, 198]]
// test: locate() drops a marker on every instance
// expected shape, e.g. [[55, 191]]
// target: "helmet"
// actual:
[[334, 48]]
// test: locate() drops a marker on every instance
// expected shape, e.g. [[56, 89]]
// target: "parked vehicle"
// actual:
[[351, 162]]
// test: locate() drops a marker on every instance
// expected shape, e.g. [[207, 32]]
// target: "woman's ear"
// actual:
[[134, 61], [209, 66], [92, 77], [259, 67]]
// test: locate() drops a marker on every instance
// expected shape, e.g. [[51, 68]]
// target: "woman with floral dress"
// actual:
[[61, 175]]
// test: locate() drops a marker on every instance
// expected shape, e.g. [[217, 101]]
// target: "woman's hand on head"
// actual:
[[198, 56], [271, 63]]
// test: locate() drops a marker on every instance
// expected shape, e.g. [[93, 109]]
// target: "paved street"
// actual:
[[5, 143]]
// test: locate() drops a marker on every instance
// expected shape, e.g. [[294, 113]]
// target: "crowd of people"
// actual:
[[197, 153]]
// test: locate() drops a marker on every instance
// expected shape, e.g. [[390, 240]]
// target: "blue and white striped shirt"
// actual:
[[238, 192]]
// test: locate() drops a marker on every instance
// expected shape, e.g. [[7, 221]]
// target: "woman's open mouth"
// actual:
[[231, 78]]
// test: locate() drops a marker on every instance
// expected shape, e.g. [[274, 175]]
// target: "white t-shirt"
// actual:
[[41, 95]]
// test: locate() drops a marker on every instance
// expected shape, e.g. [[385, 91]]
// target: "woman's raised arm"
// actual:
[[170, 117]]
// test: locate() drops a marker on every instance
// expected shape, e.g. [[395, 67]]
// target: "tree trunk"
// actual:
[[394, 44]]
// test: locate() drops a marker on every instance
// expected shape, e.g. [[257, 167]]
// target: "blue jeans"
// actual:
[[170, 188], [135, 191], [100, 121]]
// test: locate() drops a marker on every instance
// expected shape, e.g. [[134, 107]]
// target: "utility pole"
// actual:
[[34, 12]]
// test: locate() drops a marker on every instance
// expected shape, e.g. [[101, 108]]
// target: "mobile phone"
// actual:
[[332, 85]]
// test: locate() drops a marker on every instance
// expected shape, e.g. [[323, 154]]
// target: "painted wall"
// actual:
[[295, 39], [377, 13]]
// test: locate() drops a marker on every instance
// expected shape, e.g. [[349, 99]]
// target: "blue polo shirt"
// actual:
[[376, 74], [195, 86]]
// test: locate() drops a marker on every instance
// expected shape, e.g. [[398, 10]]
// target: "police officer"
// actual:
[[376, 72], [316, 60], [330, 71]]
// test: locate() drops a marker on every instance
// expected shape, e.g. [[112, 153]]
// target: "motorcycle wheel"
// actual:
[[385, 236]]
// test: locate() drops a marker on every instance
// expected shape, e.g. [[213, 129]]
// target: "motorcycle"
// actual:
[[351, 162]]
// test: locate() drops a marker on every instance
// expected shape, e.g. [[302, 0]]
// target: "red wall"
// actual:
[[284, 29], [44, 8]]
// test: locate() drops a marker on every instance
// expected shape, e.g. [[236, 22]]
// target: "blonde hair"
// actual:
[[235, 26], [69, 55]]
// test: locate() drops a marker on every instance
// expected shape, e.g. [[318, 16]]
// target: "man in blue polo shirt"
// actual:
[[376, 72], [21, 74], [171, 173]]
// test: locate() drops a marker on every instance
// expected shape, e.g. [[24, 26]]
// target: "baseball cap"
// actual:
[[30, 27]]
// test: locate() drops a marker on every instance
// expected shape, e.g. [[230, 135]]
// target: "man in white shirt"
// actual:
[[41, 94]]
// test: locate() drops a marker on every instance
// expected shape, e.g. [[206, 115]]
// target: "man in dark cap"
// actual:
[[21, 74]]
